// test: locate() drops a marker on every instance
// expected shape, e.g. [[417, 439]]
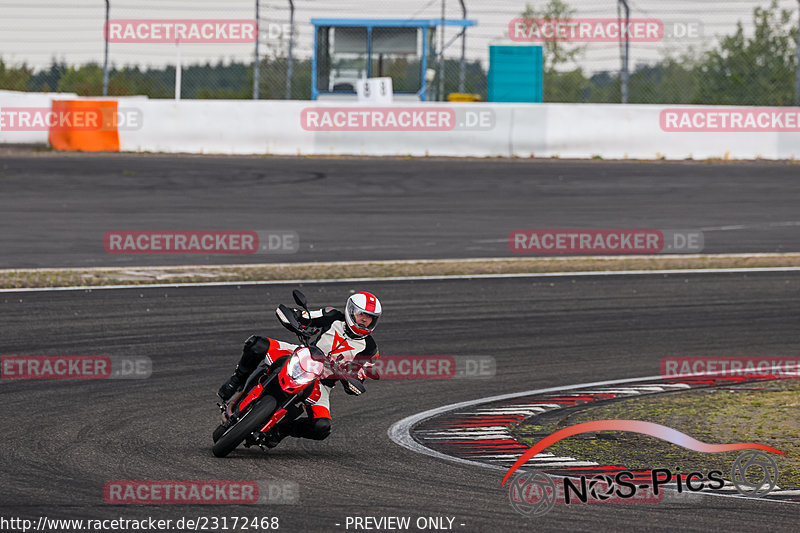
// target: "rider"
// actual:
[[345, 338]]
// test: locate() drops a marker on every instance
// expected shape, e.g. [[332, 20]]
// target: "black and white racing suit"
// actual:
[[350, 355]]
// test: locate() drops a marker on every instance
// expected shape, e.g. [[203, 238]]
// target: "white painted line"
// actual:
[[557, 465], [476, 437], [465, 431], [412, 278], [746, 226], [544, 406], [510, 456], [537, 459], [515, 259], [480, 428], [512, 408], [508, 412], [630, 392], [469, 437]]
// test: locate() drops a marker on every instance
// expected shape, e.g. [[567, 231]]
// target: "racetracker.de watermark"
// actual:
[[201, 242], [585, 30], [75, 367], [180, 31], [181, 492], [604, 241], [428, 118], [74, 119], [427, 367], [783, 367], [603, 30], [720, 119]]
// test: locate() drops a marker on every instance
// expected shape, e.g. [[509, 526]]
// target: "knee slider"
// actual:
[[254, 350]]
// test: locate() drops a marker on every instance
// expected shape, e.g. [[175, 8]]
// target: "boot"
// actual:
[[234, 384], [255, 348]]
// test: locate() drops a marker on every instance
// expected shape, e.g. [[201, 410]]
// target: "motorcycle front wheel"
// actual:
[[252, 420]]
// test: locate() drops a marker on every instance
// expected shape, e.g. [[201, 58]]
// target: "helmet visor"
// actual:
[[361, 318]]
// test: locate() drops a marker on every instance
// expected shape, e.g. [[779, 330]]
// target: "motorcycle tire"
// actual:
[[252, 420]]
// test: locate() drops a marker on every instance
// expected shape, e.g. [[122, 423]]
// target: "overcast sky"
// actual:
[[36, 31]]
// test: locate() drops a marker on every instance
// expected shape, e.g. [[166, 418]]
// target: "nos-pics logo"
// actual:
[[533, 493]]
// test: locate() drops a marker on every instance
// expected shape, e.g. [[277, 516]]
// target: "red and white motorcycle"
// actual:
[[275, 393]]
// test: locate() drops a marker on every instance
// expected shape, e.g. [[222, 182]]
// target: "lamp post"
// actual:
[[463, 67], [256, 58], [290, 59], [797, 64], [105, 59], [441, 56], [624, 81]]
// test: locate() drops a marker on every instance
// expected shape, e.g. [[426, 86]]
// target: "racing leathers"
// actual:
[[347, 355]]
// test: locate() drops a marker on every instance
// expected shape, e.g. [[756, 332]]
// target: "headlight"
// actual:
[[296, 371], [302, 368]]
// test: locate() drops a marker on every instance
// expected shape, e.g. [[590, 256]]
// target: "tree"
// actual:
[[559, 85], [14, 78], [673, 80], [86, 80], [757, 70], [47, 80], [556, 53]]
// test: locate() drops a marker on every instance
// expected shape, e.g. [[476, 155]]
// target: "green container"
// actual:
[[515, 73]]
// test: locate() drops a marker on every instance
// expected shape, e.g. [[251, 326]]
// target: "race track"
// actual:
[[63, 440], [55, 208]]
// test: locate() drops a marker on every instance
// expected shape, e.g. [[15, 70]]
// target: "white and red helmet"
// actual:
[[362, 303]]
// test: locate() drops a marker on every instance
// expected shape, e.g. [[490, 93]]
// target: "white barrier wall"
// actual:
[[218, 127], [274, 127], [518, 130], [16, 99], [634, 131], [609, 131]]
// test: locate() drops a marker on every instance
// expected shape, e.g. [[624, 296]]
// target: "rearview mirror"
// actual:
[[300, 298]]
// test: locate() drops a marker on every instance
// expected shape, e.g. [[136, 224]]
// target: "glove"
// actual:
[[370, 372], [301, 317], [305, 323], [353, 387]]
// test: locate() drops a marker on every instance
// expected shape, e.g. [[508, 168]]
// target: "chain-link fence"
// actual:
[[717, 52]]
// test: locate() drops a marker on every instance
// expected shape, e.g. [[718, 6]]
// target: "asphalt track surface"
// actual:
[[63, 440], [55, 208]]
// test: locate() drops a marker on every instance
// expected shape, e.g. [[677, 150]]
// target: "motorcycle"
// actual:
[[273, 394]]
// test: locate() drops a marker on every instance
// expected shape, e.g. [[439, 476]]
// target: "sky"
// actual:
[[35, 32]]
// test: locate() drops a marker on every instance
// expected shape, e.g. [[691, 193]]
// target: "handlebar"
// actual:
[[287, 318]]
